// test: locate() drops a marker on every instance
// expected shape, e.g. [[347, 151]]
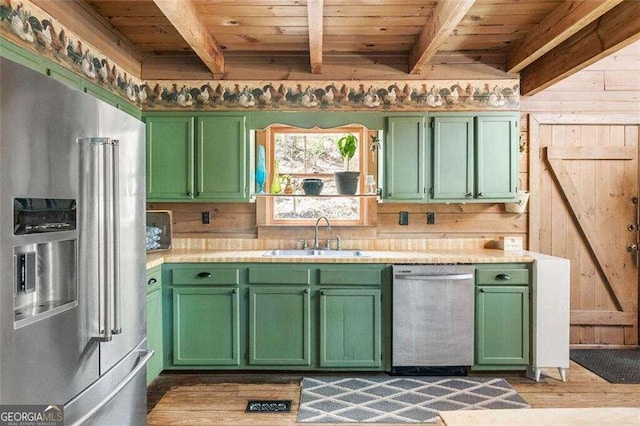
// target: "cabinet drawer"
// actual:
[[350, 277], [503, 276], [279, 275], [205, 275], [154, 279]]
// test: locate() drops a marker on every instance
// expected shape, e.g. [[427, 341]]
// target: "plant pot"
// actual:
[[347, 182], [312, 186]]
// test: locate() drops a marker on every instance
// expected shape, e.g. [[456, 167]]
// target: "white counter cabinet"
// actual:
[[550, 315]]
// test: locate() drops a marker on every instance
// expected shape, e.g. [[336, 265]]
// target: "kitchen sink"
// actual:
[[315, 253]]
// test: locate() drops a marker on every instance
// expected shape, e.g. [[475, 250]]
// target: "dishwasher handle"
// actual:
[[452, 277]]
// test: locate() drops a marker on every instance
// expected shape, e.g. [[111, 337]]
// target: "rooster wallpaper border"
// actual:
[[433, 95], [34, 30]]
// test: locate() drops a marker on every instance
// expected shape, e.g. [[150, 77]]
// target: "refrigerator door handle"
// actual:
[[142, 363], [99, 154], [115, 215]]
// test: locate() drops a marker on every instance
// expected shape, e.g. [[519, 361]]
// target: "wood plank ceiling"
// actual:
[[508, 35]]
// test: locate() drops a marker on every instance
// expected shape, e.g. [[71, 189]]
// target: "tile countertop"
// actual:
[[373, 256]]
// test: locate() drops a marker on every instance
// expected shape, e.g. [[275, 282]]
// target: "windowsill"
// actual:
[[316, 196]]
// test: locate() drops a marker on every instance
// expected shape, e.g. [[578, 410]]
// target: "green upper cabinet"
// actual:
[[350, 328], [170, 157], [221, 154], [65, 76], [453, 157], [279, 326], [405, 159], [497, 158], [475, 157], [22, 56], [199, 158]]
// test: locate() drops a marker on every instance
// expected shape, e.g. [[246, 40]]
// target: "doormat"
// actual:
[[613, 365], [269, 406], [399, 399]]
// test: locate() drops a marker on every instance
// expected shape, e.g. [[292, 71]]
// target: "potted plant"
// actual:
[[347, 181]]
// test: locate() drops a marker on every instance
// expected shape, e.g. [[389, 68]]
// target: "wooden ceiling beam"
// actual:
[[611, 32], [186, 20], [315, 17], [440, 24], [566, 20]]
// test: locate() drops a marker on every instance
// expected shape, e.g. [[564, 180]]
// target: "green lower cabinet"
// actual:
[[502, 327], [350, 328], [279, 326], [154, 329], [206, 326]]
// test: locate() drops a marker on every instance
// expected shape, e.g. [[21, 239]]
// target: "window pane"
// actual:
[[310, 153], [343, 208], [302, 154]]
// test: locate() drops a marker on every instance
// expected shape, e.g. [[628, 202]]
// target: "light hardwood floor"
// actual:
[[220, 399]]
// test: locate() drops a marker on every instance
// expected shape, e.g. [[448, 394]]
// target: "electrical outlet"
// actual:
[[404, 218], [431, 218], [206, 218]]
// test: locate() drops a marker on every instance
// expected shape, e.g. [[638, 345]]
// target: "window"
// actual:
[[305, 153]]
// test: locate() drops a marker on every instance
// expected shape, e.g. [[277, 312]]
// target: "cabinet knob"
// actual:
[[503, 277], [482, 290], [189, 194], [480, 194], [306, 291], [468, 195], [234, 291], [199, 193], [152, 281], [322, 293], [204, 275]]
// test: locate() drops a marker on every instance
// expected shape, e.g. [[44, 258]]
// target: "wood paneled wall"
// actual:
[[611, 85], [605, 91]]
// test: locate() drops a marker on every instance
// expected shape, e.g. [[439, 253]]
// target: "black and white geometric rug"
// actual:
[[381, 399]]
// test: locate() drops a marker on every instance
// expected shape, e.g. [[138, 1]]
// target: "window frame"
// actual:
[[269, 143]]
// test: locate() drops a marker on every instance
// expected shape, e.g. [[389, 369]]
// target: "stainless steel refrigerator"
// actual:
[[72, 255]]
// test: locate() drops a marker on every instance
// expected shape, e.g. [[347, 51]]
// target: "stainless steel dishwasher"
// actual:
[[433, 314]]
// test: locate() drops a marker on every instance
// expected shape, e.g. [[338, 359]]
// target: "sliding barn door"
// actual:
[[587, 212]]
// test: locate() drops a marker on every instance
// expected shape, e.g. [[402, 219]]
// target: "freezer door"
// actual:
[[129, 307], [53, 358], [119, 397]]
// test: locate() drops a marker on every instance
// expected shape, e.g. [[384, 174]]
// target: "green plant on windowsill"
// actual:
[[347, 181]]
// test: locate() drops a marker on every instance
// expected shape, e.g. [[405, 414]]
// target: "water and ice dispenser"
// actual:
[[45, 267]]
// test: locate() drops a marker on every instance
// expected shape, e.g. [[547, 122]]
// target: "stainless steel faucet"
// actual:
[[316, 244]]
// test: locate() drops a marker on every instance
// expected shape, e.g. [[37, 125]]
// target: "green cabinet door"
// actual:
[[405, 159], [206, 326], [221, 156], [170, 150], [350, 328], [453, 156], [279, 326], [154, 333], [502, 326], [497, 156], [65, 76]]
